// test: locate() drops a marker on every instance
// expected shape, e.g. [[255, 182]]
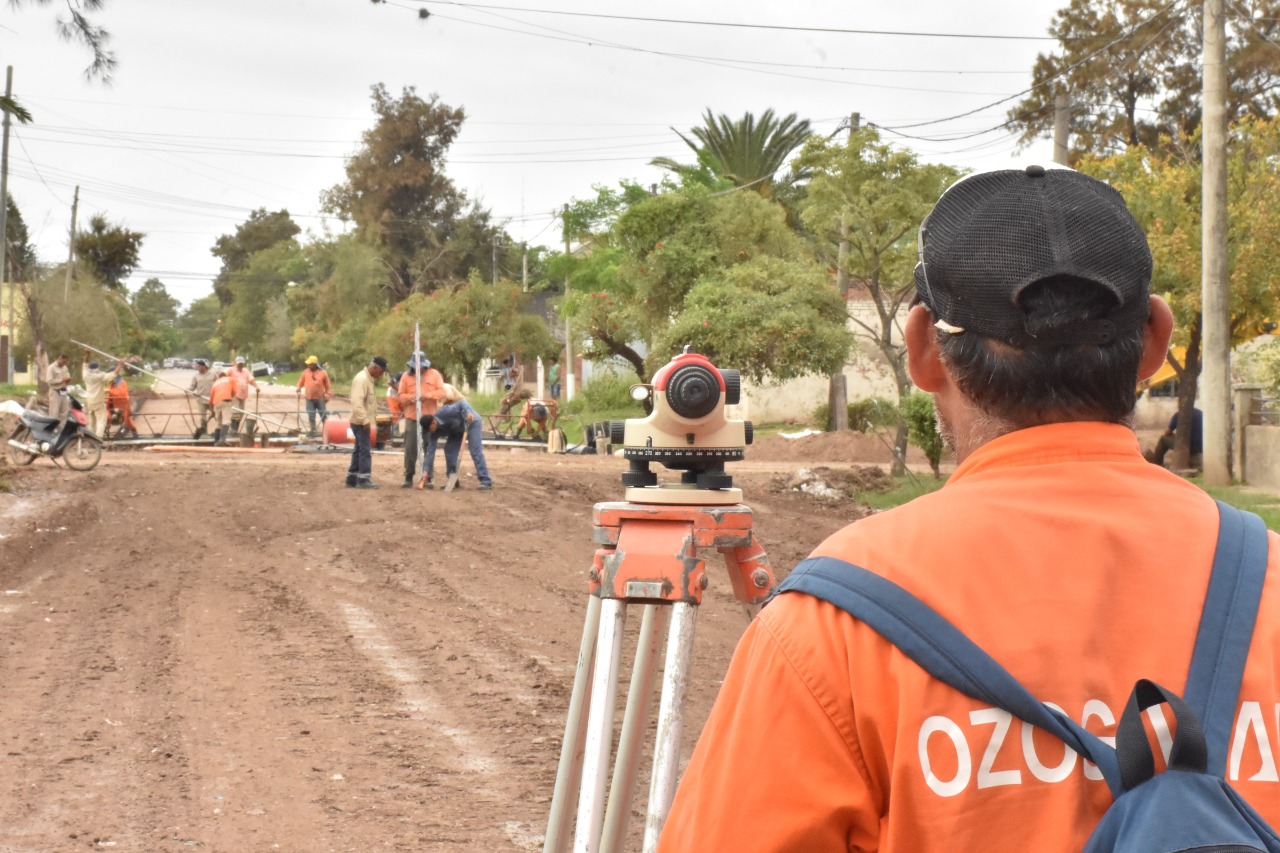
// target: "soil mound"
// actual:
[[845, 446]]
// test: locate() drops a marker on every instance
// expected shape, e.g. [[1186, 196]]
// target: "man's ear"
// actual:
[[1155, 338], [924, 362]]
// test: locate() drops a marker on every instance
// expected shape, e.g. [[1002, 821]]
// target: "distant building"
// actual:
[[10, 337]]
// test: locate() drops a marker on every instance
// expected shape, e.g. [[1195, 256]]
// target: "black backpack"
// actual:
[[1189, 808]]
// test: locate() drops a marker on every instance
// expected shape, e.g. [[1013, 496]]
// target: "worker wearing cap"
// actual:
[[222, 397], [1054, 546], [429, 396], [58, 376], [96, 382], [201, 385], [456, 421], [364, 413], [313, 385], [243, 378]]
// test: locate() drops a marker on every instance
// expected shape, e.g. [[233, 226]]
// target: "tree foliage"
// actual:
[[876, 195], [197, 327], [1132, 70], [20, 253], [154, 314], [745, 152], [110, 251], [260, 231], [78, 27], [255, 289]]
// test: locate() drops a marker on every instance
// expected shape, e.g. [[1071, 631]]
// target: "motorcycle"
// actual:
[[68, 439]]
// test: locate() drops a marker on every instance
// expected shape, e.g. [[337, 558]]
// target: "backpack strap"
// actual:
[[942, 650], [1226, 628]]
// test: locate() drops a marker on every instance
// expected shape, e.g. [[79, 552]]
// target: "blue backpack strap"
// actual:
[[1226, 628], [941, 649]]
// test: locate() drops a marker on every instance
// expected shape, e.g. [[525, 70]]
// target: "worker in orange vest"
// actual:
[[118, 401], [221, 397]]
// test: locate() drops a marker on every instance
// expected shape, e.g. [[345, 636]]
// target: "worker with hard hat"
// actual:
[[242, 376], [429, 396], [313, 384]]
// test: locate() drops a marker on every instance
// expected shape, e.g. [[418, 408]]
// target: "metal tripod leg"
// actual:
[[666, 753], [601, 706], [569, 771]]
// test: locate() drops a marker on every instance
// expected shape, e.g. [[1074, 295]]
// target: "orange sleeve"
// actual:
[[302, 379], [405, 392], [777, 767], [433, 385]]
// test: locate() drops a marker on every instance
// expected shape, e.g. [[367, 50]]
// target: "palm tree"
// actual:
[[10, 105], [745, 152]]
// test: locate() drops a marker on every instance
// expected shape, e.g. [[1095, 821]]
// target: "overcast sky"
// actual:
[[220, 108]]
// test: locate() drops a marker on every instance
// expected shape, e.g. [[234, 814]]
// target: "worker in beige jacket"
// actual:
[[364, 413]]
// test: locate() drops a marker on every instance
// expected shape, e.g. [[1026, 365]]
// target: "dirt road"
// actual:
[[236, 653]]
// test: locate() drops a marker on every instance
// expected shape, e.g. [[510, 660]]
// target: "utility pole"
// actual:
[[838, 384], [1215, 379], [524, 269], [4, 226], [1061, 126], [495, 259], [71, 246], [568, 340]]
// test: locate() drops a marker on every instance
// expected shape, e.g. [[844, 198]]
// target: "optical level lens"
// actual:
[[693, 391]]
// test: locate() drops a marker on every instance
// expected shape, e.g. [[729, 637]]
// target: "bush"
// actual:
[[922, 427], [608, 391], [864, 414]]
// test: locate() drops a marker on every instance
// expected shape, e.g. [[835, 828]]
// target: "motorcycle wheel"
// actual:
[[82, 453], [21, 457]]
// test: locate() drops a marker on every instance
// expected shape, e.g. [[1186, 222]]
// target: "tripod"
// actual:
[[649, 556]]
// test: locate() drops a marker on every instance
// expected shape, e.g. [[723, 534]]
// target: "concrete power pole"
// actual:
[[838, 385], [4, 227], [1215, 379], [1061, 127], [568, 339], [71, 246]]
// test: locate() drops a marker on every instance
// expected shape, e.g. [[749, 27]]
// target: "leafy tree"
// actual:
[[51, 315], [110, 251], [398, 195], [154, 313], [877, 195], [78, 27], [463, 325], [1162, 188], [262, 281], [19, 253], [1119, 58], [198, 326], [746, 152], [666, 274], [922, 426], [260, 231]]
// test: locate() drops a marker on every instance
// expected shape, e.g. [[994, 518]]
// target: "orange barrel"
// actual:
[[339, 432]]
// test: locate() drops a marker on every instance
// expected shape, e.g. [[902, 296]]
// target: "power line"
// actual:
[[735, 24]]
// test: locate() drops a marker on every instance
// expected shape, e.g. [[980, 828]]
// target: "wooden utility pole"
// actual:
[[524, 269], [1061, 127], [838, 385], [71, 245], [568, 339], [4, 228], [1215, 379]]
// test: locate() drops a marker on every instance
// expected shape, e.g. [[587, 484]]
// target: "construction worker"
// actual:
[[58, 376], [313, 384], [455, 420], [96, 382], [243, 378], [201, 385], [118, 401], [393, 402], [221, 398], [364, 413], [411, 396], [539, 417]]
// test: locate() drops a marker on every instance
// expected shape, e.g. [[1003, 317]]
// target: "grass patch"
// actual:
[[904, 490], [16, 392], [1265, 504]]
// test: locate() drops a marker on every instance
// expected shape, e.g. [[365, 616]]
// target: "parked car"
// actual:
[[261, 369]]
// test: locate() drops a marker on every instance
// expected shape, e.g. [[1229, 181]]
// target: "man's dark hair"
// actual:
[[1038, 385]]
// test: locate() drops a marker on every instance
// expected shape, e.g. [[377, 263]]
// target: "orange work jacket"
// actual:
[[1076, 564], [223, 389], [314, 384], [432, 392]]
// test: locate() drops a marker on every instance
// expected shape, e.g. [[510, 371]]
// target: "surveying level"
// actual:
[[649, 555]]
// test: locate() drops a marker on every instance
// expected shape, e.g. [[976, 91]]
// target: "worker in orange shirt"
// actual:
[[221, 399], [539, 417], [393, 402], [243, 378], [410, 395], [313, 384], [1054, 546], [118, 401]]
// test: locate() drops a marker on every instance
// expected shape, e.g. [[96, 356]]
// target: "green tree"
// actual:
[[398, 195], [260, 231], [874, 195], [1162, 188], [110, 251], [77, 27], [154, 313], [19, 254], [922, 426], [198, 327], [1132, 70], [263, 281], [745, 152]]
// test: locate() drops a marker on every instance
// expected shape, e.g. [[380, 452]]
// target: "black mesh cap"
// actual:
[[993, 234]]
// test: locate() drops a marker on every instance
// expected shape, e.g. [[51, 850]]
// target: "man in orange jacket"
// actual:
[[313, 384], [1054, 546], [221, 398], [118, 401], [429, 396]]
